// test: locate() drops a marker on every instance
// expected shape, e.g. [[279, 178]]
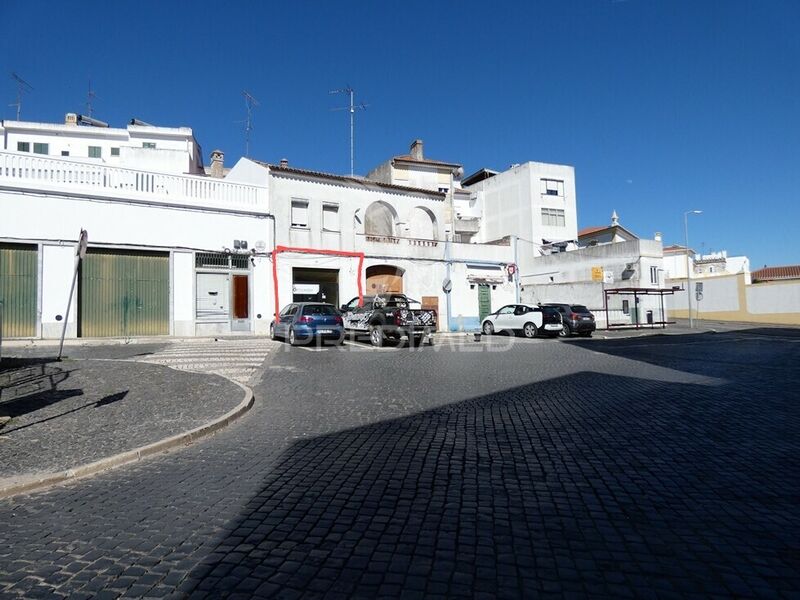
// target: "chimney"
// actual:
[[217, 160], [658, 236], [71, 119], [614, 219], [416, 149], [284, 163]]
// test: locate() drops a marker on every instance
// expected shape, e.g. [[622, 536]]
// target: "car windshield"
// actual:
[[319, 309], [579, 308]]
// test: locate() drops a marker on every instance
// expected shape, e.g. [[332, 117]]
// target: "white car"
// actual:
[[530, 320]]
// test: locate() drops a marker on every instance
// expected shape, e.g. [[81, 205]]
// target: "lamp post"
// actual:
[[688, 270]]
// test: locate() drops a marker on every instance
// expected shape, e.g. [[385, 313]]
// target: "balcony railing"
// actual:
[[54, 174], [389, 239]]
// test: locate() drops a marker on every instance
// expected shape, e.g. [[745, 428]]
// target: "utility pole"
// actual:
[[689, 291]]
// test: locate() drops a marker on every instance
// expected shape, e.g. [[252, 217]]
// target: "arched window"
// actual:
[[380, 219], [423, 224]]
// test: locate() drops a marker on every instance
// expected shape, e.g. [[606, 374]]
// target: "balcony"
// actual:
[[403, 247], [64, 176]]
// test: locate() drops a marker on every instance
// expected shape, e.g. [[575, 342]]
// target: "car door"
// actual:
[[505, 318], [285, 320], [358, 319]]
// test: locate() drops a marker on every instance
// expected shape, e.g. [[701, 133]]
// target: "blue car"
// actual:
[[304, 321]]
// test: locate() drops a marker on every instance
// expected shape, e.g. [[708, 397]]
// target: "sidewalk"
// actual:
[[64, 419]]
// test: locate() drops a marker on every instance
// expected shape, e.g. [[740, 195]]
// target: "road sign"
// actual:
[[83, 241]]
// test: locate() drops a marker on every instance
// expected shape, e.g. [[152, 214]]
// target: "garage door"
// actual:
[[124, 293], [18, 269]]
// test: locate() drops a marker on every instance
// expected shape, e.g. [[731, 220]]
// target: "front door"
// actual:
[[240, 303], [484, 302]]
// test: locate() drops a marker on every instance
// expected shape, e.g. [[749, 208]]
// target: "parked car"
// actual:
[[577, 319], [389, 316], [303, 321], [529, 320]]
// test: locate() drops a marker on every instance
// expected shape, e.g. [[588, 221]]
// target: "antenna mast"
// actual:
[[352, 109], [90, 96], [22, 87], [251, 103]]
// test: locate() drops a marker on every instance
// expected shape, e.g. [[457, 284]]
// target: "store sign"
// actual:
[[597, 273], [306, 289]]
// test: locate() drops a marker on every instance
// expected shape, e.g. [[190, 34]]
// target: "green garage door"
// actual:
[[124, 293], [18, 268]]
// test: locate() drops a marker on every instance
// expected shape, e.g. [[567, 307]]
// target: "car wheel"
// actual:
[[292, 337], [376, 336], [530, 330], [272, 331], [565, 331], [488, 328]]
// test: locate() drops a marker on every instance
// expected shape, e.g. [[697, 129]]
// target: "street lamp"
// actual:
[[688, 271]]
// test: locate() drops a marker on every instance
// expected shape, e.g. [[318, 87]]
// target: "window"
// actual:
[[65, 153], [626, 307], [149, 145], [444, 190], [553, 217], [330, 217], [115, 152], [653, 274], [23, 146], [552, 187], [299, 213], [95, 152], [41, 148]]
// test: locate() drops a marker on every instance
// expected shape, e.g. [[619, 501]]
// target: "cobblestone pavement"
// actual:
[[70, 413], [647, 467]]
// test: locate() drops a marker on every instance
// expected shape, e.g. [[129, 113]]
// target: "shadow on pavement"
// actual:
[[28, 385], [590, 484]]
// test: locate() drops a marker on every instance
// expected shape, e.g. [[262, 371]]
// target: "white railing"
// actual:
[[58, 174]]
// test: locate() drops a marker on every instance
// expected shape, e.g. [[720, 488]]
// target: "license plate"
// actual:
[[324, 330], [552, 326]]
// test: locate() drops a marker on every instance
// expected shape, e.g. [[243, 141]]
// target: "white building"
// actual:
[[157, 228], [705, 265], [175, 252], [326, 224]]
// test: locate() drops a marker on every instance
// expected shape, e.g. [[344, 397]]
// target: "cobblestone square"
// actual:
[[652, 466]]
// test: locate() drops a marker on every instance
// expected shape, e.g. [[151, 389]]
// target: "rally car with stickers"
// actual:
[[389, 316]]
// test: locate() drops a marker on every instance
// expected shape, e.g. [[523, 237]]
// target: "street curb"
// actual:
[[186, 438]]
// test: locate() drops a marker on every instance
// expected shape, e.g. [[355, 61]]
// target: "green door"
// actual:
[[123, 293], [18, 274], [484, 301]]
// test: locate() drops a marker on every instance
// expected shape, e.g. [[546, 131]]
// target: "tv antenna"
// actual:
[[251, 103], [91, 95], [22, 87], [352, 108]]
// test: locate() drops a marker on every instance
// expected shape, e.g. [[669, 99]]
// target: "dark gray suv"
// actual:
[[577, 319]]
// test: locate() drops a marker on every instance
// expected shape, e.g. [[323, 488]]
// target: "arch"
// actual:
[[423, 224], [380, 219], [383, 279]]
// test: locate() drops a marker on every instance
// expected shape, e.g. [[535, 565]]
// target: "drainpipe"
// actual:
[[515, 242], [448, 263]]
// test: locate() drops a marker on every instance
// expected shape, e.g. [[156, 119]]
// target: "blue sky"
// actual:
[[661, 106]]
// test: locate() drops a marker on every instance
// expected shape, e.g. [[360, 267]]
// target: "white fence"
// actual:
[[52, 174]]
